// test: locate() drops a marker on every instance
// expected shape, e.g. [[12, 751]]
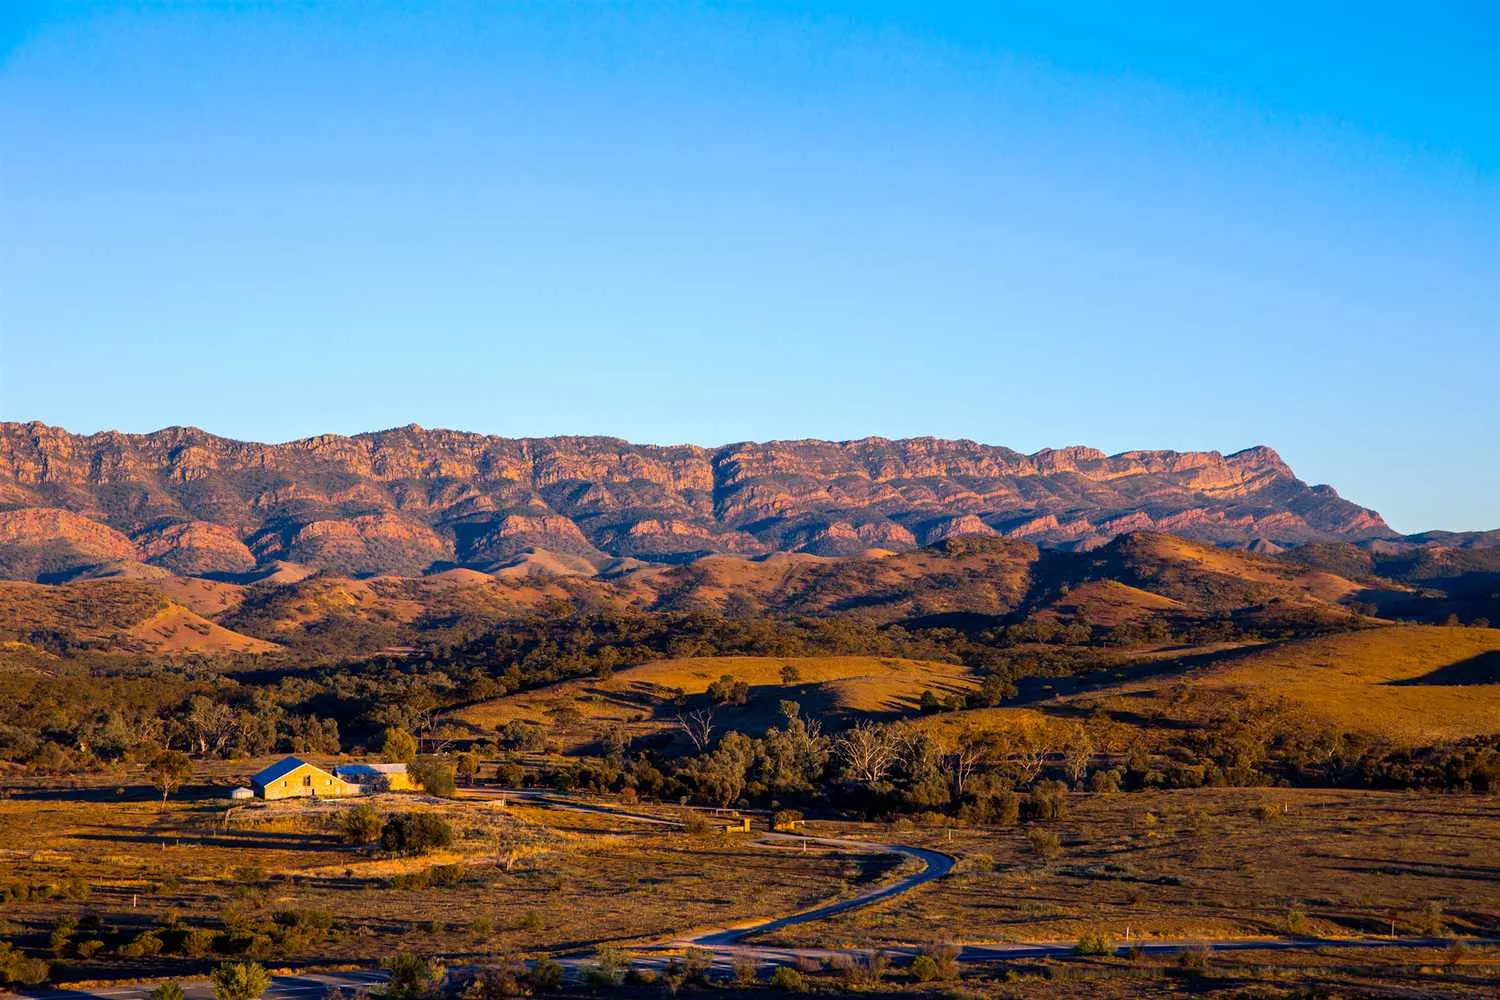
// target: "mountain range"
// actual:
[[409, 501], [183, 542]]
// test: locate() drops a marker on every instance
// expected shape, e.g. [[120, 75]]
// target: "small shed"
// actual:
[[241, 793]]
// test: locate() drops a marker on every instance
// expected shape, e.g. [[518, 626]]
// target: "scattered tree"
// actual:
[[699, 727], [168, 770], [398, 746]]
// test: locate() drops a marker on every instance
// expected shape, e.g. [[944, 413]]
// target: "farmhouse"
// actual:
[[376, 777], [291, 778]]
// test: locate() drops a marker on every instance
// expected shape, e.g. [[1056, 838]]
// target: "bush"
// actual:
[[145, 945], [415, 833], [1296, 919], [251, 874], [944, 957], [361, 824], [546, 975], [696, 962], [1044, 844], [787, 978], [445, 876], [239, 981], [412, 977], [924, 969], [531, 920], [610, 968], [168, 990], [18, 970], [1433, 922], [197, 942], [1048, 801], [744, 972], [1095, 943], [62, 935]]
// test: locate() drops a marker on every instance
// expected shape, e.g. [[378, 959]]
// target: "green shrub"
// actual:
[[546, 975], [168, 990], [62, 935], [744, 972], [415, 833], [18, 970], [1048, 801], [944, 958], [412, 977], [197, 942], [1095, 943], [145, 945], [361, 824], [1044, 844], [924, 969], [239, 981], [787, 978]]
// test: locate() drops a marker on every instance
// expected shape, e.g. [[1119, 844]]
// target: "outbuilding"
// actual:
[[376, 777], [292, 777]]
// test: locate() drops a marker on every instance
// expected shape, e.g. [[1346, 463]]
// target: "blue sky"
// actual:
[[1123, 225]]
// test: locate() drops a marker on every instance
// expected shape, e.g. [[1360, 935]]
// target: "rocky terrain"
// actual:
[[409, 501]]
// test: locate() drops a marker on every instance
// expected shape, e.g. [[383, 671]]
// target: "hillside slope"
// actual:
[[1410, 684]]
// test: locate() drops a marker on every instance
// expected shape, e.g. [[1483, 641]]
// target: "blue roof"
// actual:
[[368, 770], [280, 769]]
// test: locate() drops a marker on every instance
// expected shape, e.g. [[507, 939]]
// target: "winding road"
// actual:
[[727, 946]]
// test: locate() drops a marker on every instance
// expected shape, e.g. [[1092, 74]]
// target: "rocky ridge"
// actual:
[[409, 500]]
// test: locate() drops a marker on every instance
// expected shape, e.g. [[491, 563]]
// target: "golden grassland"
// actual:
[[1205, 864], [642, 698], [1407, 683]]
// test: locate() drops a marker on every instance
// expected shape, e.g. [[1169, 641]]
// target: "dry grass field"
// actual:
[[1256, 974], [1205, 864], [519, 879]]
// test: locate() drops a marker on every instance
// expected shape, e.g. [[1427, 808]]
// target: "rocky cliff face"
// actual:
[[404, 500]]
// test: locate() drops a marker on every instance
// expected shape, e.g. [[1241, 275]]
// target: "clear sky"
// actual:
[[1127, 225]]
